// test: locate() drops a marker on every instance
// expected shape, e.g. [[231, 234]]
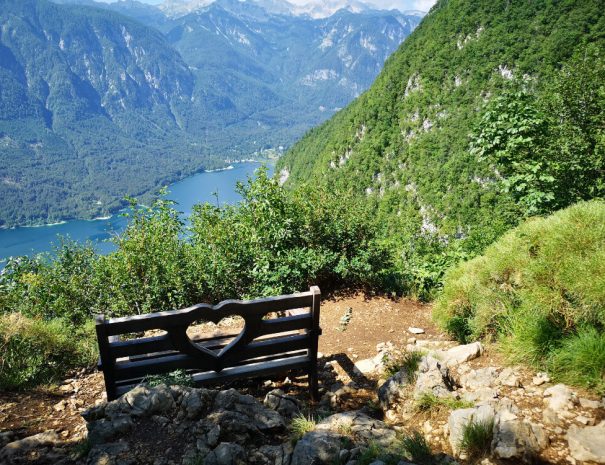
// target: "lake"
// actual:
[[188, 192]]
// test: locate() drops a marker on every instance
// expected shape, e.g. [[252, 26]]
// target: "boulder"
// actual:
[[360, 426], [460, 354], [392, 389], [317, 447], [587, 443], [433, 376], [226, 453], [285, 405], [47, 438], [517, 439]]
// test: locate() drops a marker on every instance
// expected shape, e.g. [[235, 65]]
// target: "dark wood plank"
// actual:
[[240, 372], [186, 316]]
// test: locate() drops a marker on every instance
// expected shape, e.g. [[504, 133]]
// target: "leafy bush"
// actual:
[[540, 290], [34, 351]]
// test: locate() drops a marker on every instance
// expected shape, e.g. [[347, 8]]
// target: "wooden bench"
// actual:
[[267, 344]]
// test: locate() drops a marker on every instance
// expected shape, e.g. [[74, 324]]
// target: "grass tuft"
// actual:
[[417, 449], [302, 425], [477, 438], [406, 360], [581, 360], [430, 402]]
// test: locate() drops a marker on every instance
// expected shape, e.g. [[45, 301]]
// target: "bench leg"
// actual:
[[313, 383]]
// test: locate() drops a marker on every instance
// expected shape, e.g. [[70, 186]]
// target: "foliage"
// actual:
[[540, 291], [417, 449], [430, 402], [476, 438], [302, 425], [273, 242], [488, 113], [35, 351], [407, 361], [580, 359], [175, 378]]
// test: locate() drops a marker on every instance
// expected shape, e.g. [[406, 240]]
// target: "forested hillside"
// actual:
[[99, 101], [92, 107], [488, 112]]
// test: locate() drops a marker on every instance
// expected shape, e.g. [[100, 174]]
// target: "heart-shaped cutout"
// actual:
[[215, 336]]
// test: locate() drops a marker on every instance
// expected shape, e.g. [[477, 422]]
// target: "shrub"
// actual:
[[539, 290], [35, 351]]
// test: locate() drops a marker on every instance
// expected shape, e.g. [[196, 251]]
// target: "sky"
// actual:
[[422, 5]]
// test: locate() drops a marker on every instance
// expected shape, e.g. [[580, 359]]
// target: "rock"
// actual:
[[6, 437], [226, 454], [413, 330], [514, 438], [559, 398], [508, 377], [481, 378], [433, 376], [102, 430], [360, 426], [47, 438], [587, 443], [461, 417], [587, 403], [392, 389], [377, 462], [317, 447], [277, 455], [540, 378], [263, 418], [285, 405], [460, 354], [106, 454]]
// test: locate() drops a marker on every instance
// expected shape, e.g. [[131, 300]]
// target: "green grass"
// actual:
[[477, 439], [430, 402], [540, 292], [36, 351], [417, 449], [175, 378], [407, 360], [302, 425], [581, 360]]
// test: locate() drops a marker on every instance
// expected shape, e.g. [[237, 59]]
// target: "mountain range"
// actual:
[[99, 101]]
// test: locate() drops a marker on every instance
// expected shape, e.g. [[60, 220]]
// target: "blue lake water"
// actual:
[[188, 192]]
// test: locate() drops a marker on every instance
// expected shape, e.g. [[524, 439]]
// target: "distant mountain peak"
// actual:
[[316, 9]]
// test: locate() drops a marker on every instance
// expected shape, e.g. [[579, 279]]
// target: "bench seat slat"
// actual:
[[245, 371]]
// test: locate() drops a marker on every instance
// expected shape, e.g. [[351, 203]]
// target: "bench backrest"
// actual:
[[265, 345]]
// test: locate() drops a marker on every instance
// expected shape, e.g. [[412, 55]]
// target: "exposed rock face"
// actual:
[[23, 445], [223, 427], [360, 427], [317, 447], [587, 444], [285, 405]]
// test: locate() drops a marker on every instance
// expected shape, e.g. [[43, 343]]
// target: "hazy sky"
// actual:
[[423, 5]]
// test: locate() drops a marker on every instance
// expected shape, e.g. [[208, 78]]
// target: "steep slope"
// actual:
[[405, 142], [91, 103]]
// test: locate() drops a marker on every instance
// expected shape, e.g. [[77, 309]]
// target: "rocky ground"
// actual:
[[393, 389]]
